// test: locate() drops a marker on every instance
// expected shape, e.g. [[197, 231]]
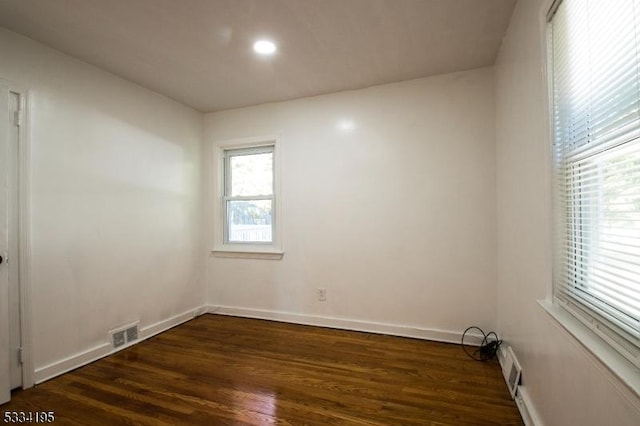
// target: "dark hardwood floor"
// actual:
[[219, 370]]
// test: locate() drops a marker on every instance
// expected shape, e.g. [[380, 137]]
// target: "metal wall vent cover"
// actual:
[[123, 335], [132, 333], [118, 338], [511, 371]]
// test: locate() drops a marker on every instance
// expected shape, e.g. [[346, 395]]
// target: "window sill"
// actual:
[[622, 368], [248, 252]]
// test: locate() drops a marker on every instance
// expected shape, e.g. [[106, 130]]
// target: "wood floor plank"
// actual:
[[220, 370]]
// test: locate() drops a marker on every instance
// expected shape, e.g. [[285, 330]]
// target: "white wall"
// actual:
[[115, 200], [395, 218], [565, 384]]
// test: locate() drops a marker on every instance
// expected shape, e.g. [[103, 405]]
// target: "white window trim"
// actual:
[[221, 248]]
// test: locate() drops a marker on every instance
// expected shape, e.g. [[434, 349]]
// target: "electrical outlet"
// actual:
[[322, 294]]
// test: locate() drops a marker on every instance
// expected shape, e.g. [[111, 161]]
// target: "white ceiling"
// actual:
[[199, 51]]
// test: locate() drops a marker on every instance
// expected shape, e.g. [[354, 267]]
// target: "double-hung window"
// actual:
[[595, 71], [247, 206], [248, 195]]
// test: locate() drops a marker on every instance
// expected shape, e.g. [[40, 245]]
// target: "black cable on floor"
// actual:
[[487, 350]]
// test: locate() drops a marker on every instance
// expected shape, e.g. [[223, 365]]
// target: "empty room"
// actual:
[[320, 212]]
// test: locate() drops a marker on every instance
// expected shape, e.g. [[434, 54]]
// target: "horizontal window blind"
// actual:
[[596, 124]]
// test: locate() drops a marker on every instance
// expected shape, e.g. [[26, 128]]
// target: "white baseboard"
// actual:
[[526, 407], [72, 362], [347, 324]]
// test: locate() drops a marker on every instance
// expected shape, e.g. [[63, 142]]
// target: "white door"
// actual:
[[13, 265], [5, 381]]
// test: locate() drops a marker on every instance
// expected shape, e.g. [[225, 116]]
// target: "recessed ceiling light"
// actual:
[[264, 47]]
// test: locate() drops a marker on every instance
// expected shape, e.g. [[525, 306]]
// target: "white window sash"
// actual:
[[227, 198], [596, 125]]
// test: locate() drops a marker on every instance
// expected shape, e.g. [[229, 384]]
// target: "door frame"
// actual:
[[24, 230]]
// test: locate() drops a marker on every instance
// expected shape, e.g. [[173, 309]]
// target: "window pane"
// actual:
[[249, 221], [605, 256], [251, 174]]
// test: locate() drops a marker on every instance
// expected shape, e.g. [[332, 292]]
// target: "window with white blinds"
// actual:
[[596, 126]]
